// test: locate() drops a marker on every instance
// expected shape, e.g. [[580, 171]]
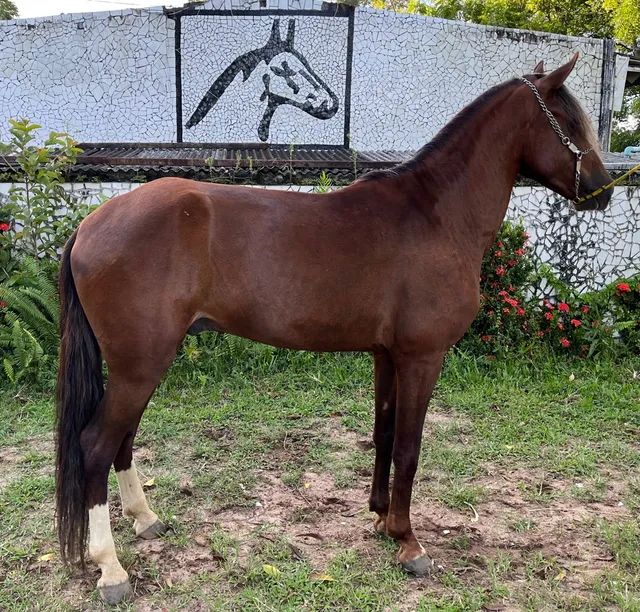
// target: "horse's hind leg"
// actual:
[[383, 431], [116, 418], [134, 503]]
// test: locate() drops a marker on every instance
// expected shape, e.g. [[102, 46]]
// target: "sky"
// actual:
[[40, 8]]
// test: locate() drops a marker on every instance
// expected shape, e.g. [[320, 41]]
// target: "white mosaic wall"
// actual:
[[285, 78], [411, 73], [111, 76], [102, 77], [586, 249]]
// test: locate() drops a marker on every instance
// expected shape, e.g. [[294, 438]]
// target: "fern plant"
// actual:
[[28, 324]]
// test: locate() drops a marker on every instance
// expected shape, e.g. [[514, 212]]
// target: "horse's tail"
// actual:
[[79, 390]]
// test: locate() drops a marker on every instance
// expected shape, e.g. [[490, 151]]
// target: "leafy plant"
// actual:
[[503, 320], [39, 214], [28, 323], [625, 295], [323, 184]]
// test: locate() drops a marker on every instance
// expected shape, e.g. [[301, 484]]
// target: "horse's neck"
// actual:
[[468, 177]]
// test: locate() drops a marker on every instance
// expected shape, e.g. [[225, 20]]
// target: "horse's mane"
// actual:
[[578, 123]]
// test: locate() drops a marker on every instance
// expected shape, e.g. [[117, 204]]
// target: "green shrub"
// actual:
[[504, 320], [39, 214], [574, 323], [625, 294], [28, 324]]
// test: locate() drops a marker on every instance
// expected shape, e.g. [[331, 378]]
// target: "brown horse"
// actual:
[[388, 265]]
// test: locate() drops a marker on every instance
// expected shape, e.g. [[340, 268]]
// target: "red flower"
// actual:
[[511, 301], [500, 270], [585, 309], [520, 312], [4, 227], [511, 263], [502, 293], [498, 253], [3, 304], [549, 305], [485, 338], [519, 252], [565, 342], [511, 288], [506, 310], [576, 322], [563, 307], [548, 316], [621, 287], [500, 244]]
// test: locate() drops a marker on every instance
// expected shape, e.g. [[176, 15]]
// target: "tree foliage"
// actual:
[[8, 10]]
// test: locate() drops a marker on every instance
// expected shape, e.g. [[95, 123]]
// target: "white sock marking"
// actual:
[[102, 548], [134, 502]]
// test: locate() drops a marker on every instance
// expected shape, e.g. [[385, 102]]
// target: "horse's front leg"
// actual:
[[416, 378], [383, 431]]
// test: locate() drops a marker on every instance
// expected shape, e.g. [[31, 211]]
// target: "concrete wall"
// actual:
[[411, 73], [387, 81]]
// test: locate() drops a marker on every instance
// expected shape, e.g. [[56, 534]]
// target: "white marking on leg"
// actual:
[[102, 549], [134, 503]]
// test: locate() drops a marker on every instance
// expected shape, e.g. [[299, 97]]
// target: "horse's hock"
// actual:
[[288, 89]]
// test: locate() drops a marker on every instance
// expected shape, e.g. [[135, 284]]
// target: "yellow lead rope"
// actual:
[[613, 183]]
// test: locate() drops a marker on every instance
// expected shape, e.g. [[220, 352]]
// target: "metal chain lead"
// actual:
[[566, 141]]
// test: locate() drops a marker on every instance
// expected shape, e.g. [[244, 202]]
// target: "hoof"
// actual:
[[380, 525], [115, 593], [154, 531], [420, 566]]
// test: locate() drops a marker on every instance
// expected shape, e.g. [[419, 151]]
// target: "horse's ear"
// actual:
[[275, 39], [291, 33], [539, 69], [555, 79]]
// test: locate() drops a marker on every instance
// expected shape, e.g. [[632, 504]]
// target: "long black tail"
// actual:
[[80, 388]]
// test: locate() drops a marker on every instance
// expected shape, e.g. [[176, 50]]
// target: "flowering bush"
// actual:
[[503, 319], [576, 326], [625, 295]]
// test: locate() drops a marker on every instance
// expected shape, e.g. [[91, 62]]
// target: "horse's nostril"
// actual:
[[312, 97]]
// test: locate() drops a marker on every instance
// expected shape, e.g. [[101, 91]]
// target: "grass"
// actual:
[[245, 425]]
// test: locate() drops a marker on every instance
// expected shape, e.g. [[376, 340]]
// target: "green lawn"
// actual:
[[527, 494]]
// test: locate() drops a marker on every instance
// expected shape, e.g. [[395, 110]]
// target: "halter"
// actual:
[[566, 141]]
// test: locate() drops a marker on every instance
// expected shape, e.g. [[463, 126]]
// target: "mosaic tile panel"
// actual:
[[277, 79], [586, 249], [101, 77], [411, 74]]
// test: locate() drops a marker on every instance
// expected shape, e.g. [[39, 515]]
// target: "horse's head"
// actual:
[[290, 80], [561, 150]]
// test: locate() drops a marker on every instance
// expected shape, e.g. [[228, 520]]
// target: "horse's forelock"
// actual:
[[579, 123]]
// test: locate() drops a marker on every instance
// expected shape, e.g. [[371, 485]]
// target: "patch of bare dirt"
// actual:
[[12, 459], [320, 519]]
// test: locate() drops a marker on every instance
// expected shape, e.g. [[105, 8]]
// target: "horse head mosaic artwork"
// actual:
[[288, 79]]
